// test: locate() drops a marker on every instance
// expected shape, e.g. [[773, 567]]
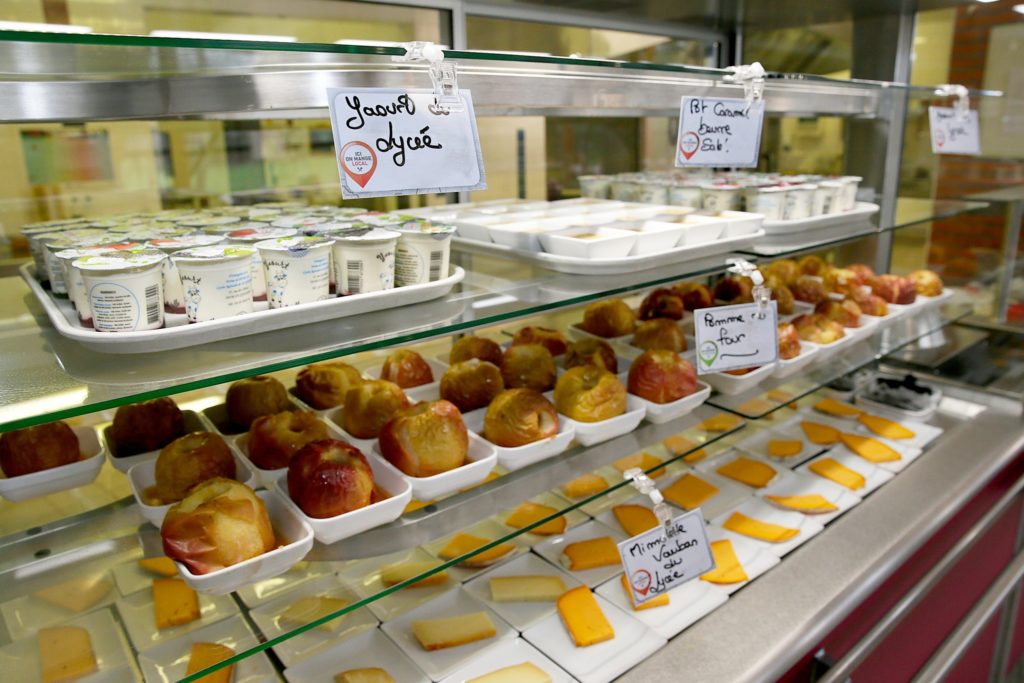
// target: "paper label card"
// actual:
[[735, 337], [658, 560], [719, 132], [954, 135], [396, 142]]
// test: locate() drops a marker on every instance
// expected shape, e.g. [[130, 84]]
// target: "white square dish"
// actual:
[[62, 478], [908, 454], [757, 444], [480, 460], [687, 603], [26, 614], [124, 463], [553, 550], [365, 578], [713, 463], [168, 662], [659, 413], [366, 650], [701, 229], [754, 560], [761, 511], [730, 494], [521, 615], [590, 433], [874, 476], [137, 615], [489, 529], [572, 518], [509, 653], [514, 458], [801, 484]]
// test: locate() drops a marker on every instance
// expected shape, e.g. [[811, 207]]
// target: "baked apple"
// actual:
[[38, 448], [274, 439], [662, 303], [330, 477], [660, 333], [191, 460], [661, 377], [530, 366], [735, 289], [870, 304], [324, 385], [785, 269], [471, 384], [407, 369], [146, 426], [894, 289], [219, 523], [371, 404], [254, 396], [789, 341], [818, 329], [609, 318], [845, 312], [926, 282], [812, 265], [842, 280], [592, 351], [866, 272], [518, 417], [475, 347], [695, 295], [425, 439], [810, 290], [552, 340], [589, 394], [782, 295]]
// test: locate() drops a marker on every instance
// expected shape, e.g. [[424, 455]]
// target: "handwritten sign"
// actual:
[[719, 132], [395, 142], [661, 559], [952, 134], [735, 337]]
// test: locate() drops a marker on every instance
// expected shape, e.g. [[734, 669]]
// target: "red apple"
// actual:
[[329, 478], [789, 341], [406, 368], [425, 439], [895, 289], [274, 439], [695, 295]]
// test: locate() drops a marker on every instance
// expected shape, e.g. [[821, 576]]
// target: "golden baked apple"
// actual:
[[274, 439], [845, 312], [219, 523], [475, 347], [660, 333], [425, 439], [530, 366], [592, 351], [864, 271], [785, 269], [406, 368], [146, 426], [789, 341], [818, 329], [812, 265], [330, 477], [324, 385], [894, 289], [662, 303], [471, 384], [608, 318], [926, 282], [191, 460], [735, 289], [843, 280], [254, 396], [371, 404], [552, 340], [782, 295], [589, 394], [661, 377], [38, 448], [870, 304], [518, 417], [695, 295], [809, 290]]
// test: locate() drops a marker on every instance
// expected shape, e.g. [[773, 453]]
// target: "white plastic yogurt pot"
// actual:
[[146, 233], [423, 253], [685, 195], [125, 289], [624, 190], [799, 202], [826, 198], [364, 259], [300, 223], [595, 186], [52, 265], [216, 281], [769, 201], [225, 228], [652, 192], [848, 192], [718, 198], [297, 269], [73, 276], [174, 297], [202, 222], [33, 231], [250, 236]]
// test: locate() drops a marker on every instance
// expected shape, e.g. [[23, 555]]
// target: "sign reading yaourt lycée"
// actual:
[[396, 142]]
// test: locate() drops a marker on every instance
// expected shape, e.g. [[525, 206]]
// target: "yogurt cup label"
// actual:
[[126, 302]]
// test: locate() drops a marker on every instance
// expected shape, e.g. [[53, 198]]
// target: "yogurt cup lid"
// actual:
[[295, 244], [367, 234], [279, 205], [425, 228], [206, 221], [120, 261], [298, 221], [213, 252], [52, 226], [184, 242], [260, 233], [729, 187]]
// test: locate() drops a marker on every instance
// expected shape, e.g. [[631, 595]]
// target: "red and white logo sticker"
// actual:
[[641, 581], [689, 143], [359, 161]]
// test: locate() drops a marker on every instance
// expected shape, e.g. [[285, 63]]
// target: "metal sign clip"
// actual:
[[762, 295], [645, 485], [963, 100], [751, 76]]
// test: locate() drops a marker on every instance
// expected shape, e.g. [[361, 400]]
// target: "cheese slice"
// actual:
[[527, 672], [635, 519], [870, 449], [830, 406], [690, 492], [439, 634], [720, 423], [414, 505], [541, 588], [528, 513], [677, 444], [174, 603], [820, 434], [584, 486], [657, 601], [779, 396], [393, 574], [65, 653], [838, 472], [372, 674], [812, 503], [885, 428], [785, 448], [76, 595], [204, 655], [594, 552], [312, 607], [643, 460], [582, 616], [727, 566], [757, 406], [467, 543], [162, 566], [748, 471], [755, 528]]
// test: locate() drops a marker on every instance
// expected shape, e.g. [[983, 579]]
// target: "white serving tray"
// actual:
[[515, 458], [169, 661], [480, 460], [860, 212], [178, 333], [61, 478], [508, 653], [368, 649]]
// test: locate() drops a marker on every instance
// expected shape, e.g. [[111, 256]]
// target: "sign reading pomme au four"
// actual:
[[735, 337]]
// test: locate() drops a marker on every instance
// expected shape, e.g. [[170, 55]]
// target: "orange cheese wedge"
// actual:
[[466, 543], [414, 505], [748, 471], [779, 396], [162, 566], [727, 566], [583, 617], [820, 434], [838, 472], [635, 519], [528, 513], [679, 444], [720, 423], [204, 655], [584, 486], [830, 406], [690, 492], [594, 552], [870, 449], [885, 428], [755, 528], [785, 448], [756, 406], [659, 601], [812, 503], [174, 603], [643, 460]]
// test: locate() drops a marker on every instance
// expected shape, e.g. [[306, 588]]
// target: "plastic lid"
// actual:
[[120, 261], [206, 221], [259, 234], [213, 252], [295, 244], [298, 221], [184, 242], [424, 228], [368, 234]]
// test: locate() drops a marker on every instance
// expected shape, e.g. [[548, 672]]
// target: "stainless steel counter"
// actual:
[[769, 625]]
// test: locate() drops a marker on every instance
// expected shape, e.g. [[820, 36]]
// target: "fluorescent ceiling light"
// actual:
[[203, 35], [42, 28]]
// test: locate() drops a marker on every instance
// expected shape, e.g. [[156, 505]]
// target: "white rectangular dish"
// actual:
[[659, 413], [178, 333], [686, 604], [168, 662], [509, 653], [519, 457], [62, 478], [730, 385], [874, 476], [480, 460], [193, 423], [366, 650]]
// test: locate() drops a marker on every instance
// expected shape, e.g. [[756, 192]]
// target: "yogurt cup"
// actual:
[[826, 198], [686, 194], [848, 192], [73, 276], [297, 269], [364, 259], [652, 192], [225, 228], [146, 233], [174, 296], [596, 186], [799, 202], [65, 240], [34, 233], [124, 289], [423, 253], [216, 280], [250, 236], [280, 206], [721, 197], [769, 201], [300, 223], [624, 190]]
